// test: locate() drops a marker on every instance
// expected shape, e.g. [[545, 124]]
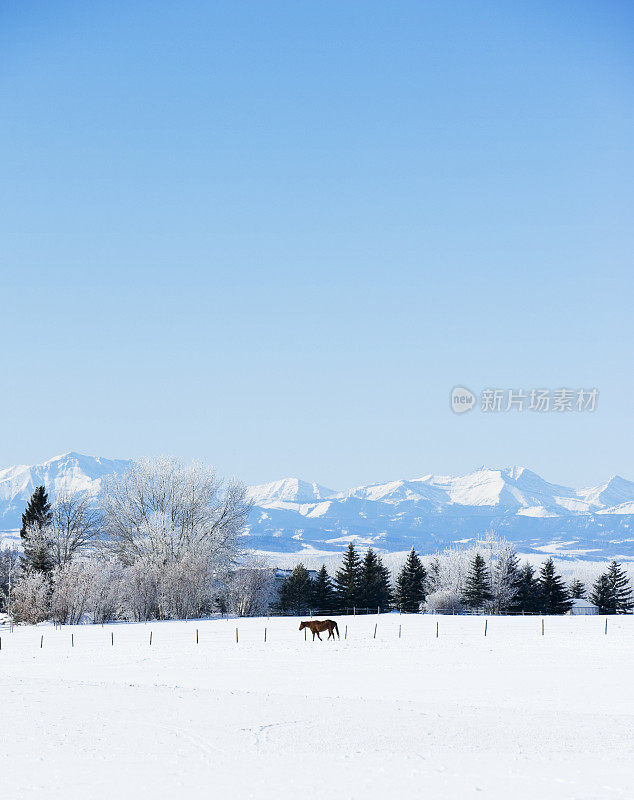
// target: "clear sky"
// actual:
[[274, 235]]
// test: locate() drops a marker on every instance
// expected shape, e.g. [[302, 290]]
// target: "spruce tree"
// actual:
[[601, 595], [621, 588], [477, 589], [36, 518], [612, 592], [323, 593], [576, 589], [296, 591], [411, 584], [553, 592], [348, 580], [527, 598], [375, 591]]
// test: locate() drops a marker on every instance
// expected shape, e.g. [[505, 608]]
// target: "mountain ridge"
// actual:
[[430, 512]]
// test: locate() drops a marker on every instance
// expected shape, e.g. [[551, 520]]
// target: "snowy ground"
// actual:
[[515, 714]]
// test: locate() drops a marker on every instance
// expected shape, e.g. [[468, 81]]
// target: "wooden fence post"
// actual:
[[606, 626], [112, 638], [399, 631], [150, 637], [236, 636], [436, 629], [345, 636], [542, 627], [41, 641], [196, 635], [265, 634], [375, 624], [486, 622]]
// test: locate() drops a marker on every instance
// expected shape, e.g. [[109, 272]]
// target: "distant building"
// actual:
[[583, 606]]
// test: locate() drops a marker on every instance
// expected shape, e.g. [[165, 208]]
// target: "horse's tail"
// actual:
[[336, 627]]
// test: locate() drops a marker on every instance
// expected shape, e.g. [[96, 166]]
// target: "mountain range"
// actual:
[[430, 513]]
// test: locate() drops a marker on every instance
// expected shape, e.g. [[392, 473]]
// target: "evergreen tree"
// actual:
[[375, 591], [601, 595], [576, 589], [38, 512], [621, 588], [323, 593], [36, 518], [296, 591], [411, 584], [477, 590], [527, 598], [348, 580], [612, 592], [554, 595]]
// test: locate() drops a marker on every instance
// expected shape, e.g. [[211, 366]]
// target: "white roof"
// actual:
[[582, 602]]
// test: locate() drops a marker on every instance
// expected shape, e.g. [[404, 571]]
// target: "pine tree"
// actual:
[[554, 595], [527, 598], [348, 580], [411, 584], [477, 589], [612, 592], [323, 593], [296, 591], [621, 588], [38, 512], [576, 589], [601, 595], [35, 520], [375, 591]]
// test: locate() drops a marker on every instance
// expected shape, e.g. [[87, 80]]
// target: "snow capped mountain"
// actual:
[[68, 472], [429, 512], [436, 511]]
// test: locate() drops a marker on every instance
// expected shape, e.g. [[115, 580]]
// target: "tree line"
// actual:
[[455, 581]]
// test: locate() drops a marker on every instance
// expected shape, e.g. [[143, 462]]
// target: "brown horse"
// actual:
[[321, 625]]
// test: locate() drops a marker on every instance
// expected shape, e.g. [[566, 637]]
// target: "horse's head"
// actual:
[[302, 625]]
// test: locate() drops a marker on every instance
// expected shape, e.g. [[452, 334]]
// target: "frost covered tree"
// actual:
[[89, 588], [554, 597], [444, 601], [576, 589], [477, 588], [612, 592], [250, 590], [374, 582], [160, 509], [411, 584], [348, 579], [9, 571], [74, 526], [323, 592], [296, 591], [36, 519], [504, 579], [527, 598], [31, 598], [180, 524]]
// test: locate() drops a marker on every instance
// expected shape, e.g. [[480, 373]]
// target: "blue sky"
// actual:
[[273, 236]]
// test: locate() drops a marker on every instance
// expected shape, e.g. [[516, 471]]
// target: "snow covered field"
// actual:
[[515, 714]]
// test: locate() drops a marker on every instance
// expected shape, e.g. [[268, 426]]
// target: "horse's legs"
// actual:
[[319, 637], [314, 636]]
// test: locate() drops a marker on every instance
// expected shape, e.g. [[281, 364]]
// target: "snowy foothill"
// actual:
[[427, 706]]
